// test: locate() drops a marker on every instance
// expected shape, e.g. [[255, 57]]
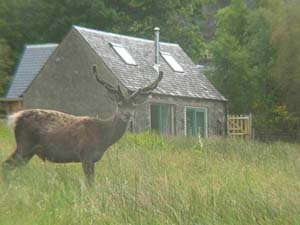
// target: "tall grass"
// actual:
[[146, 179]]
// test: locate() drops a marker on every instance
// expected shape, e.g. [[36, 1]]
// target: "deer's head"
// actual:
[[127, 102]]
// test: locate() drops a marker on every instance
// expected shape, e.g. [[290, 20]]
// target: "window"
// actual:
[[162, 118], [172, 62], [123, 53], [196, 122]]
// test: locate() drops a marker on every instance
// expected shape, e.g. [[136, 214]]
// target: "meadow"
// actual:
[[148, 179]]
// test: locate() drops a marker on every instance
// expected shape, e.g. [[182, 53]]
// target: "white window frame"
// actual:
[[172, 62], [205, 119], [123, 53]]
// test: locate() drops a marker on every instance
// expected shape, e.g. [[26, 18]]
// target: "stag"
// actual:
[[62, 138]]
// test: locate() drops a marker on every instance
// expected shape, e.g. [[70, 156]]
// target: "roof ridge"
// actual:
[[121, 35], [41, 45]]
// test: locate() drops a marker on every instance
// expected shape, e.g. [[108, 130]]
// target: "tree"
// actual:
[[243, 57], [6, 62], [36, 21], [231, 74], [285, 18]]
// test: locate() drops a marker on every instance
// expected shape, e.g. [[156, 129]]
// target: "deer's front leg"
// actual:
[[88, 169]]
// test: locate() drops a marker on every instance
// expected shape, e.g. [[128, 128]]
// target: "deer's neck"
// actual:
[[111, 130], [118, 129]]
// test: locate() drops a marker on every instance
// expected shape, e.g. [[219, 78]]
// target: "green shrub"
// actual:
[[278, 118]]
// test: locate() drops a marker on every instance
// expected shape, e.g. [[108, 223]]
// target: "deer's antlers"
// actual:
[[117, 91]]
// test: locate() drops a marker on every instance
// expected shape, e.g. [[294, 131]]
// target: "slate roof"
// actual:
[[190, 83], [33, 59]]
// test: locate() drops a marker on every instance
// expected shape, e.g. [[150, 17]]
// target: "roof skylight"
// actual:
[[123, 53], [172, 62]]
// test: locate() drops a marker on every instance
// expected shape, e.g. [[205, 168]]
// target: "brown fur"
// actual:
[[63, 138]]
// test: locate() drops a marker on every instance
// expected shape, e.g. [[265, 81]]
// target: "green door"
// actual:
[[195, 122]]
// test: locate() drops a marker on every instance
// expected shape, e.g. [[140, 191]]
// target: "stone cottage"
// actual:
[[184, 103]]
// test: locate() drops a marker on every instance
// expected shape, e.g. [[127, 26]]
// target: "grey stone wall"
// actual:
[[215, 114], [66, 82]]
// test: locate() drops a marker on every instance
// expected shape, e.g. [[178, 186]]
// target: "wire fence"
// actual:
[[277, 135]]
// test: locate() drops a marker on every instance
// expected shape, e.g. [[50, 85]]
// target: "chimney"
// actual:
[[156, 63]]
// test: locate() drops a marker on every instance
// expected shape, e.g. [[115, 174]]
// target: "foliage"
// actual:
[[228, 181], [256, 56], [36, 21], [243, 57], [6, 62], [284, 18], [277, 117]]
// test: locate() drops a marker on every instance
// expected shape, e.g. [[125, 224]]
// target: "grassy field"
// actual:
[[145, 179]]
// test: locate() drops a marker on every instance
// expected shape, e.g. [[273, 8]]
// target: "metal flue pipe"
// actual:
[[156, 64]]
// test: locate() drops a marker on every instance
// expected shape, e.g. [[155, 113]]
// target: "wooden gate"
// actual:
[[239, 125]]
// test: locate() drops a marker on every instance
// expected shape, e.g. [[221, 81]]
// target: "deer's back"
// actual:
[[57, 134]]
